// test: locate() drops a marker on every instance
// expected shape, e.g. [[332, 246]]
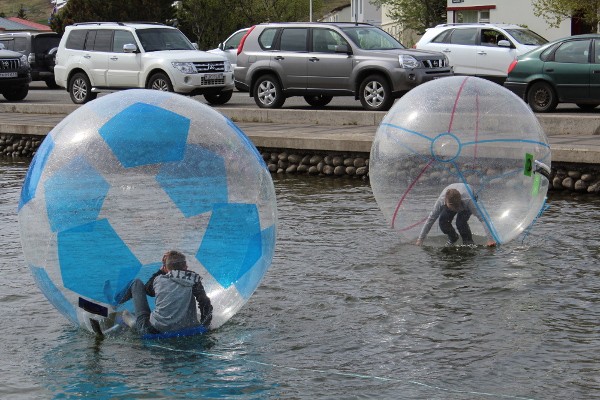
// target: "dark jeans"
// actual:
[[462, 224], [137, 291]]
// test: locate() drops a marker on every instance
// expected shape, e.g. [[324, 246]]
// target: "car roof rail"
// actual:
[[118, 23]]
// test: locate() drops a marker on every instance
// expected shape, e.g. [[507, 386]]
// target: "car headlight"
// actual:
[[185, 67], [408, 61], [24, 61], [227, 66]]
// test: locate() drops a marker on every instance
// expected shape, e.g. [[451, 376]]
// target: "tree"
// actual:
[[210, 21], [111, 10], [415, 14], [22, 13], [555, 11]]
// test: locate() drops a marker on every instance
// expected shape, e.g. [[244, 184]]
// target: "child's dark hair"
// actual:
[[453, 199], [175, 260]]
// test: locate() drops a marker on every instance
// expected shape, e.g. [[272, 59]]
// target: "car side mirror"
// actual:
[[220, 46], [503, 43], [195, 45], [129, 48], [342, 48]]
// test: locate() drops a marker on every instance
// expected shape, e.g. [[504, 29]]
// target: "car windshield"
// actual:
[[527, 37], [158, 39], [371, 38]]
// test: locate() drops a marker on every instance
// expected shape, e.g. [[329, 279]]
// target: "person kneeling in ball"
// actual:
[[175, 289], [455, 200]]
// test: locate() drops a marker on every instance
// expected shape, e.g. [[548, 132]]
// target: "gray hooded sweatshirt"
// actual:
[[176, 295]]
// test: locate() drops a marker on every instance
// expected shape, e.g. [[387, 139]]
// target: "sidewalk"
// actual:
[[573, 138]]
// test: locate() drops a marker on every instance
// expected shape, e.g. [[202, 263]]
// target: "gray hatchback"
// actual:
[[323, 60]]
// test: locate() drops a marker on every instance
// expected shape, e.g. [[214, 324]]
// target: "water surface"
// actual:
[[345, 311]]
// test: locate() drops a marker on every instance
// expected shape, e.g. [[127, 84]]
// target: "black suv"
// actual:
[[40, 50], [14, 75]]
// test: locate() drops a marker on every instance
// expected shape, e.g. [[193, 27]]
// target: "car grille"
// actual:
[[210, 66], [206, 82], [436, 63], [9, 64]]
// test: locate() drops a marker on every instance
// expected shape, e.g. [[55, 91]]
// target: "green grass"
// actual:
[[35, 10]]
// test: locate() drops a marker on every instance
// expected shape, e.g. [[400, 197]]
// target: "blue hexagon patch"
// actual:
[[93, 254], [74, 195], [197, 182], [145, 134], [232, 243]]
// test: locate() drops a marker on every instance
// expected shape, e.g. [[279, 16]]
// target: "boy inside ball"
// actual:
[[177, 291], [455, 200]]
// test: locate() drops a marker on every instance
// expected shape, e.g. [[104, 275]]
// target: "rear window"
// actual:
[[76, 39], [464, 36], [42, 43], [294, 39], [267, 38]]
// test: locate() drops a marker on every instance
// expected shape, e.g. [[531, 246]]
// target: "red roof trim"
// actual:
[[30, 24], [490, 7]]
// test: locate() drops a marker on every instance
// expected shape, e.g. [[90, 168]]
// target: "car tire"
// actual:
[[16, 94], [268, 93], [218, 98], [160, 81], [587, 107], [375, 93], [541, 97], [80, 89], [319, 100]]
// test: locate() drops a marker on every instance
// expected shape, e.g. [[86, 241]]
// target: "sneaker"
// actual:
[[451, 242]]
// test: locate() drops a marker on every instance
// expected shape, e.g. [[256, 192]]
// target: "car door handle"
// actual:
[[114, 58], [596, 71], [483, 53], [313, 59], [87, 56], [278, 58], [446, 50], [550, 70]]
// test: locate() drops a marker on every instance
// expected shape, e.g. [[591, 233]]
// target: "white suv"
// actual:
[[98, 56], [484, 50]]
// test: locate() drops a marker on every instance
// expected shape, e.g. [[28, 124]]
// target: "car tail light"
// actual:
[[512, 66], [241, 45]]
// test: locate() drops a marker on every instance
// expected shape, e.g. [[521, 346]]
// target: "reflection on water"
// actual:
[[346, 311]]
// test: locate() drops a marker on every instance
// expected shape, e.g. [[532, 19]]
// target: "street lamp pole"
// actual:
[[310, 10]]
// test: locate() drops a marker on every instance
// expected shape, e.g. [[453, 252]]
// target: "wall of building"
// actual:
[[518, 12]]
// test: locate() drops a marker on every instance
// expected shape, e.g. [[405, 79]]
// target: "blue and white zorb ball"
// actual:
[[460, 130], [134, 174]]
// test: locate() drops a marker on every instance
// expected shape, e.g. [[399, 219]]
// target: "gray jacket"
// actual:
[[177, 293]]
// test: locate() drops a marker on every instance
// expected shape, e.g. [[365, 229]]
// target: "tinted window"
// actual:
[[266, 38], [103, 40], [575, 51], [464, 36], [20, 44], [525, 36], [369, 38], [43, 43], [121, 38], [293, 39], [234, 41], [326, 41], [597, 51], [76, 40], [443, 37]]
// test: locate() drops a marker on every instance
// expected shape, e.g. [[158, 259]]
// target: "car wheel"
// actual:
[[80, 89], [375, 93], [587, 107], [51, 83], [268, 93], [16, 94], [319, 100], [541, 97], [160, 81], [218, 98]]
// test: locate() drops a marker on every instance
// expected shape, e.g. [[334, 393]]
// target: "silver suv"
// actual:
[[97, 56], [322, 60]]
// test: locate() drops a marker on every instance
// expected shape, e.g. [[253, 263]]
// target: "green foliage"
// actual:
[[210, 21], [555, 11], [415, 14], [111, 10], [22, 13]]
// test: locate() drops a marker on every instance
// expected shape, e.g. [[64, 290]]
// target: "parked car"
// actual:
[[98, 56], [228, 48], [323, 60], [566, 70], [483, 50], [14, 75], [40, 50]]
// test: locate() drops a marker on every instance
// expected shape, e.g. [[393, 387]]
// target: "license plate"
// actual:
[[8, 74], [212, 77]]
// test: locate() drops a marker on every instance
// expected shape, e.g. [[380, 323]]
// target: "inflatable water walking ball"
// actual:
[[460, 130], [131, 175]]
